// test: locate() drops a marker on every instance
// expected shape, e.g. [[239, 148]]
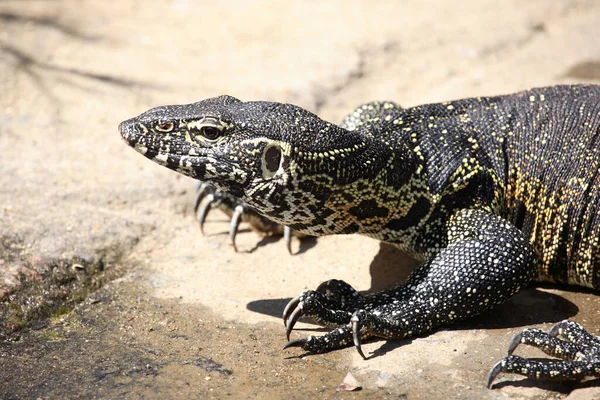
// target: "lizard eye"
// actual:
[[210, 132], [165, 126]]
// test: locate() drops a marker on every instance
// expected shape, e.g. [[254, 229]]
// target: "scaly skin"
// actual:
[[490, 193]]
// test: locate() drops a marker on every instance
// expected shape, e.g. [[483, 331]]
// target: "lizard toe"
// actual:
[[332, 340], [294, 316]]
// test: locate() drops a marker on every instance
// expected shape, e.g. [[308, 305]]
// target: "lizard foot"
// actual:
[[207, 198], [362, 324], [578, 351], [333, 304]]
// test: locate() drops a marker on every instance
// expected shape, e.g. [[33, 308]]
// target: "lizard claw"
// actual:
[[201, 192], [204, 207], [289, 308], [356, 325], [295, 343], [556, 329], [236, 218], [496, 369], [292, 321], [287, 237], [516, 341]]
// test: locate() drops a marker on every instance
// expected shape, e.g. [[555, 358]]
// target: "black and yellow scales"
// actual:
[[490, 193]]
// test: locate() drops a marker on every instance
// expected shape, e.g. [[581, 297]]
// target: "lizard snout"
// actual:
[[125, 127]]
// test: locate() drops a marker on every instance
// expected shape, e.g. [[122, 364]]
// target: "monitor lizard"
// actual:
[[490, 193]]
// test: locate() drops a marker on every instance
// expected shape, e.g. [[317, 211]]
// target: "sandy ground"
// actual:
[[187, 316]]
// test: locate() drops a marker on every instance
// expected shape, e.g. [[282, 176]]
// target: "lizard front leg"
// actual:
[[485, 262], [207, 198]]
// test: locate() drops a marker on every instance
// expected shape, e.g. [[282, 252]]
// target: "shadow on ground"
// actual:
[[529, 307]]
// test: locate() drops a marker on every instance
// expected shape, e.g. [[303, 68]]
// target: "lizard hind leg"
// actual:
[[545, 369]]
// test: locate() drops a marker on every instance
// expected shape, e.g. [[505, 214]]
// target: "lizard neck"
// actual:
[[351, 185]]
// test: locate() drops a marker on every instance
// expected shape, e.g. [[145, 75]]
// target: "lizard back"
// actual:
[[542, 148]]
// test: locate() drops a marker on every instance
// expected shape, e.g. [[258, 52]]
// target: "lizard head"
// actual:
[[282, 160]]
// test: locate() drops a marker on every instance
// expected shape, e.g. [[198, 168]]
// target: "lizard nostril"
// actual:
[[125, 126]]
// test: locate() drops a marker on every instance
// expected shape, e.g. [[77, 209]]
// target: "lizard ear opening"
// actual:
[[271, 160]]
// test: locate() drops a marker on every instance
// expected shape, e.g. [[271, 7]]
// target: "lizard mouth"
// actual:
[[169, 151], [151, 144]]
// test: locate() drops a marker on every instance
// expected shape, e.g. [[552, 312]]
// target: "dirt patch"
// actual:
[[36, 288], [126, 343]]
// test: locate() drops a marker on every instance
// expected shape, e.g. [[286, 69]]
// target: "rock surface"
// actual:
[[187, 316]]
